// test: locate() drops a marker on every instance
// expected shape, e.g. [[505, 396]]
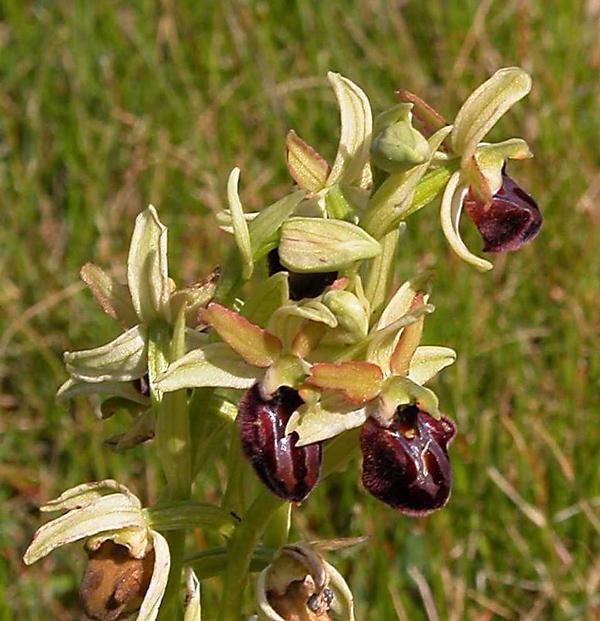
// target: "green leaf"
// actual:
[[195, 297], [287, 321], [285, 371], [393, 199], [397, 145], [324, 419], [403, 299], [428, 361], [86, 494], [125, 390], [187, 514], [350, 313], [403, 391], [142, 429], [265, 298], [264, 227], [381, 271], [110, 512]]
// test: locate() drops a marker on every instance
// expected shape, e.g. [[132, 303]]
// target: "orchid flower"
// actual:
[[505, 215], [116, 373]]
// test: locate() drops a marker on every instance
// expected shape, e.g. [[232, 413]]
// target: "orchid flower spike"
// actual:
[[505, 215]]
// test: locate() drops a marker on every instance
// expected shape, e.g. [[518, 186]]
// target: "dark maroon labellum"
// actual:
[[406, 465], [508, 221], [288, 471], [301, 285]]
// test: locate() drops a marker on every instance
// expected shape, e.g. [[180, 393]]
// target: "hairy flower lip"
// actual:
[[406, 463], [288, 471], [509, 220]]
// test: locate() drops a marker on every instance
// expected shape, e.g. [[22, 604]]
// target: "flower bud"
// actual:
[[288, 471], [301, 285], [406, 464], [399, 146], [114, 582], [352, 317], [508, 221]]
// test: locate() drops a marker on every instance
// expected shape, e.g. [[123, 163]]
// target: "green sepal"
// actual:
[[308, 169], [316, 245], [123, 359], [263, 229], [265, 298]]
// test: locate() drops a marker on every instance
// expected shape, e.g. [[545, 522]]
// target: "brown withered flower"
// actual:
[[406, 463], [114, 582]]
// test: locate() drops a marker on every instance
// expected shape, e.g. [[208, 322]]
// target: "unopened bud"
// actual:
[[398, 146]]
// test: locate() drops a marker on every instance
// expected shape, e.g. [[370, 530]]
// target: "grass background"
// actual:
[[108, 106]]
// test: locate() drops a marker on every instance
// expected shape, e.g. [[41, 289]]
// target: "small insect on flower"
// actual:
[[288, 471], [299, 585], [406, 464]]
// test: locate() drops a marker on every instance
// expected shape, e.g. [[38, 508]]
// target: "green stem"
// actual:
[[389, 205], [340, 451], [240, 550], [173, 443], [381, 273], [278, 529], [234, 498]]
